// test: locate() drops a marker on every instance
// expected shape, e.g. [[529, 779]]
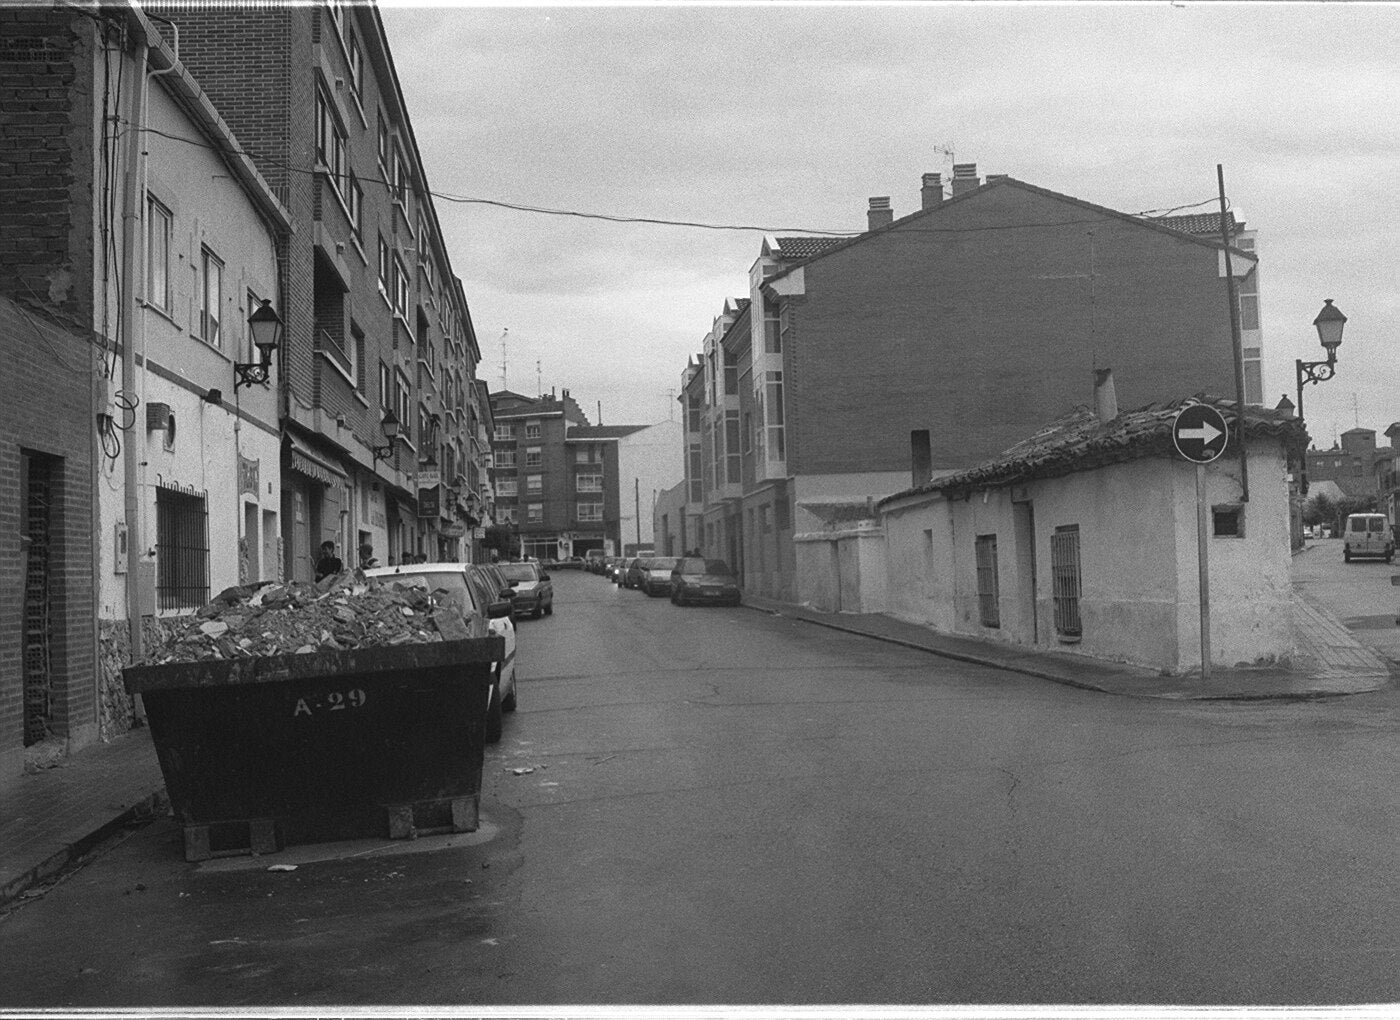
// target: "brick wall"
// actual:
[[46, 89], [982, 336], [46, 410]]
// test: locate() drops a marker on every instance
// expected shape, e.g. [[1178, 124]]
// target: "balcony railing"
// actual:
[[335, 351]]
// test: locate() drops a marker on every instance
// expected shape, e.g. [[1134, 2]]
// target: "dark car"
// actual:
[[656, 578], [636, 570], [697, 580], [493, 577], [619, 571], [533, 590]]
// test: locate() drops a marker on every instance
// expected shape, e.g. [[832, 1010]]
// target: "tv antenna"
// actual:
[[504, 334]]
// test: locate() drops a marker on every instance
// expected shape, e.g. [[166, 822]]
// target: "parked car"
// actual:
[[636, 570], [483, 615], [619, 571], [495, 589], [533, 590], [656, 579], [1367, 535], [696, 580], [593, 561], [496, 582]]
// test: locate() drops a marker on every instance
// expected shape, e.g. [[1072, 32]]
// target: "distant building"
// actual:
[[1355, 464]]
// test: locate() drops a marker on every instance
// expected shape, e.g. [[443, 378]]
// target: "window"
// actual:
[[695, 474], [733, 459], [532, 430], [534, 513], [765, 519], [386, 146], [1228, 520], [533, 457], [386, 390], [357, 64], [782, 515], [748, 432], [777, 447], [534, 483], [590, 481], [503, 433], [772, 338], [356, 199], [590, 511], [400, 293], [357, 351], [731, 377], [692, 419], [158, 221], [337, 12], [400, 178], [211, 297], [1065, 581], [987, 591], [506, 514], [505, 458], [506, 487], [386, 267], [330, 143], [182, 550], [404, 392]]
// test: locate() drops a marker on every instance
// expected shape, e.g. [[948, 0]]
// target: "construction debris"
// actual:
[[341, 611]]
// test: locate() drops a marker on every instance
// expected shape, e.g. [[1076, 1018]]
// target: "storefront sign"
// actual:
[[429, 502], [429, 478], [247, 475]]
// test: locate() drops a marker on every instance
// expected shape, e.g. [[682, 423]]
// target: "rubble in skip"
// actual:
[[341, 611]]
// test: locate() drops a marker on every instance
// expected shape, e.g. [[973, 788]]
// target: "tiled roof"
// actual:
[[1207, 224], [805, 247], [582, 432], [1079, 441]]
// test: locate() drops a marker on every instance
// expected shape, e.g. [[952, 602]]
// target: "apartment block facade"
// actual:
[[379, 355]]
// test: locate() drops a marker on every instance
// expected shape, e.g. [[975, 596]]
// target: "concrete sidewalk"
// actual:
[[52, 817], [1328, 661]]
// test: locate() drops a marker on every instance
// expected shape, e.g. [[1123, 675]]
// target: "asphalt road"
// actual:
[[729, 807], [1360, 593]]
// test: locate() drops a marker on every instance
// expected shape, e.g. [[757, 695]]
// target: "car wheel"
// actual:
[[508, 702], [549, 609], [493, 715], [1346, 555], [539, 610]]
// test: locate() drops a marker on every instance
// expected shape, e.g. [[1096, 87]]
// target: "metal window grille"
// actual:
[[1065, 581], [988, 594], [182, 550], [37, 629]]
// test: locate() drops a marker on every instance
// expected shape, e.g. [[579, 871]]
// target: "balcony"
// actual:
[[334, 351]]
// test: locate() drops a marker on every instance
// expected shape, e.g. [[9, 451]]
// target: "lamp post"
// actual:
[[266, 327], [1329, 323], [390, 427]]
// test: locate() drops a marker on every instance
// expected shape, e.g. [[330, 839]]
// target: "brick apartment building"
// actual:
[[378, 332], [565, 486], [934, 341], [1355, 463]]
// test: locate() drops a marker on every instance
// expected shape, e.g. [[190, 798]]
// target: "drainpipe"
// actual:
[[133, 448]]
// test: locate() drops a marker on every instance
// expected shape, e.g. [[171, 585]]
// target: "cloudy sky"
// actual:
[[792, 115]]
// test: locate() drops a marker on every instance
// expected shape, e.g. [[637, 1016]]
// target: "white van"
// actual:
[[1367, 535]]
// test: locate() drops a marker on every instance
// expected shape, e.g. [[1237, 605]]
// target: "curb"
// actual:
[[145, 809]]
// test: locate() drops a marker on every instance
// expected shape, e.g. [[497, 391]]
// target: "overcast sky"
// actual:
[[791, 116]]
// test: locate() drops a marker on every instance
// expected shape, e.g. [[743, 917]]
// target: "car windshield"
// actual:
[[695, 565], [453, 583], [666, 563], [519, 571]]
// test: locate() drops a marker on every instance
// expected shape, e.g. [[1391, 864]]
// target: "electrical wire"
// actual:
[[650, 220], [127, 402]]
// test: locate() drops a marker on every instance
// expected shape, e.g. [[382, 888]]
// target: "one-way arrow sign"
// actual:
[[1200, 433]]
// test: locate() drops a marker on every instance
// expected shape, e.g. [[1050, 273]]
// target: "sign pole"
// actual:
[[1203, 568]]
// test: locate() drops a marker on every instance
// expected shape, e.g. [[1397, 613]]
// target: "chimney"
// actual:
[[932, 191], [964, 178], [1105, 396], [880, 214], [996, 177]]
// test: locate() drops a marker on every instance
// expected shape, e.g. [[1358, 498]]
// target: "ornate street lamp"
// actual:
[[1329, 322], [390, 427], [265, 325]]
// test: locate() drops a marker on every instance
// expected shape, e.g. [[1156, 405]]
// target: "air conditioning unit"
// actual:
[[157, 417]]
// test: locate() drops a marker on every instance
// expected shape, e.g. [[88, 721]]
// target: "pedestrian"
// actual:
[[329, 563], [367, 559]]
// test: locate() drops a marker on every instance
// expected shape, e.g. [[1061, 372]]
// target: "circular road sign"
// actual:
[[1200, 433]]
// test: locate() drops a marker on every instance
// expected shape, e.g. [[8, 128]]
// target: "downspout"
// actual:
[[131, 238]]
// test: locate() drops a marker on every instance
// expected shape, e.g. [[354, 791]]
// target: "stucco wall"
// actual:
[[1138, 562]]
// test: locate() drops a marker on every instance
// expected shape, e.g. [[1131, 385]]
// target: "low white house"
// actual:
[[1084, 538]]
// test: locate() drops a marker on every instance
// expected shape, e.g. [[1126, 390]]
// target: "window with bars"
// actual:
[[988, 593], [182, 550], [1065, 581]]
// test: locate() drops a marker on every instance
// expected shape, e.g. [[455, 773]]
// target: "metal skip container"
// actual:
[[259, 753]]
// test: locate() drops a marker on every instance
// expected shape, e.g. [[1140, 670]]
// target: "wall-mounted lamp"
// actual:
[[266, 327], [390, 427]]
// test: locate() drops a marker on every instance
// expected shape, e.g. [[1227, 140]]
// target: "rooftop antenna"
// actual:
[[504, 334], [1355, 413], [947, 149], [671, 405], [539, 379], [600, 412]]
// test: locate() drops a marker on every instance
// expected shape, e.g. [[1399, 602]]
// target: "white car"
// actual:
[[477, 601]]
